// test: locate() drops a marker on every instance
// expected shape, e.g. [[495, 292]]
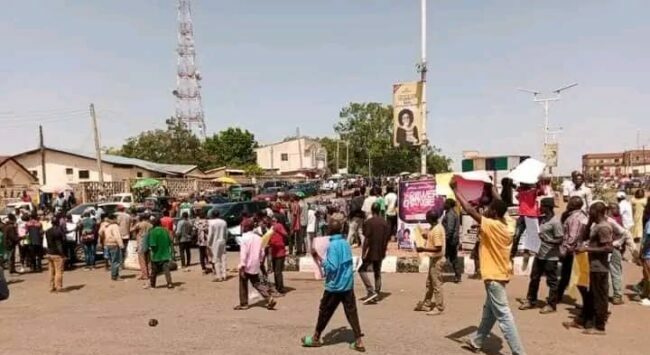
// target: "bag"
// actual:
[[87, 238]]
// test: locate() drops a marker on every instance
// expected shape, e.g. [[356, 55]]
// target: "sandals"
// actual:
[[310, 342], [271, 305], [241, 308], [354, 346]]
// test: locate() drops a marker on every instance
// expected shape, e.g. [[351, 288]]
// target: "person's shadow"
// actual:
[[72, 288], [339, 335], [492, 345]]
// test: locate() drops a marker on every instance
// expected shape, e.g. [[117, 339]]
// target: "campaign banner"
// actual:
[[407, 114], [415, 199]]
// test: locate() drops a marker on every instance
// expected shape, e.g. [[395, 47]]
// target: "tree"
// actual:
[[231, 147], [175, 145], [369, 129]]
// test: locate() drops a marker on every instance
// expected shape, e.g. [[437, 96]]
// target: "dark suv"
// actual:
[[233, 213]]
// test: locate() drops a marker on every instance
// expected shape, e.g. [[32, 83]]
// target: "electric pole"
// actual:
[[98, 151], [42, 148], [422, 68], [338, 153]]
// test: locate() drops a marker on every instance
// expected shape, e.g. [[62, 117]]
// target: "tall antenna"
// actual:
[[189, 108]]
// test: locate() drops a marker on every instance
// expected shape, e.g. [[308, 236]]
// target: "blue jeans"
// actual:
[[115, 256], [89, 252], [496, 308]]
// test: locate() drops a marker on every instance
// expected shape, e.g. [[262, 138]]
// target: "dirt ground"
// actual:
[[99, 316]]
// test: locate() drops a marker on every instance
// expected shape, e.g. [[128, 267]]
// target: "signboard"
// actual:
[[550, 154], [407, 114], [416, 198]]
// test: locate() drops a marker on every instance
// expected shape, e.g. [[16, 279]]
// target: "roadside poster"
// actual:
[[407, 114], [416, 198]]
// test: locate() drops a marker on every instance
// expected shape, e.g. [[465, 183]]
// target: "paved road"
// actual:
[[98, 316]]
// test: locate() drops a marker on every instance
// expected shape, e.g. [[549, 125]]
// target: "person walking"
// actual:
[[217, 233], [55, 255], [434, 249], [391, 210], [357, 216], [638, 206], [494, 252], [574, 220], [160, 246], [295, 242], [626, 211], [451, 225], [114, 244], [202, 229], [339, 288], [35, 235], [304, 221], [124, 222], [141, 231], [184, 237], [546, 261], [87, 226], [12, 241], [251, 256], [278, 253], [376, 233], [621, 239]]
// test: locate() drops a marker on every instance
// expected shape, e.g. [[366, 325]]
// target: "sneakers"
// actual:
[[435, 312], [645, 302], [526, 306], [547, 309], [617, 300], [469, 345], [372, 298], [423, 307]]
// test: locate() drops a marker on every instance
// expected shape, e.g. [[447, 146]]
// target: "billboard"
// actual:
[[407, 114], [550, 154], [416, 198]]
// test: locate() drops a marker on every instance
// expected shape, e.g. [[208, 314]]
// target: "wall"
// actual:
[[13, 172], [270, 157], [56, 164]]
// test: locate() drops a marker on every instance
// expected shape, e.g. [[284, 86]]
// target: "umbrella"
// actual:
[[147, 182], [300, 194], [226, 180]]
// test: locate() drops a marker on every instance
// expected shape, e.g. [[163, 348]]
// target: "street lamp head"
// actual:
[[565, 88], [535, 93]]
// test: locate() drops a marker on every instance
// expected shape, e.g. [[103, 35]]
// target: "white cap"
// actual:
[[621, 194]]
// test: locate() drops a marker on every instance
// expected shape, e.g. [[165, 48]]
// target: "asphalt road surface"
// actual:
[[99, 316]]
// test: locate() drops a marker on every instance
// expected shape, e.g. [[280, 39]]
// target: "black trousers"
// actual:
[[278, 268], [363, 273], [12, 258], [596, 300], [547, 268], [565, 275], [36, 253], [257, 284], [392, 223], [451, 254], [328, 305], [297, 241], [203, 257], [156, 268], [186, 253], [71, 257]]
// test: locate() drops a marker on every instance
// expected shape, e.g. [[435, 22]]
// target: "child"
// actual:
[[339, 288], [434, 248]]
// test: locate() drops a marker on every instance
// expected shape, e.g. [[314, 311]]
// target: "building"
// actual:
[[631, 162], [64, 166], [302, 155], [13, 174]]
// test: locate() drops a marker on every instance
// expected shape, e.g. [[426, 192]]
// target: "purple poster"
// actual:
[[416, 198]]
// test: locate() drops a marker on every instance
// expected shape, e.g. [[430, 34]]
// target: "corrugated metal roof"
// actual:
[[179, 169]]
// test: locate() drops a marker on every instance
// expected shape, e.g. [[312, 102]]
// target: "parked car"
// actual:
[[232, 213], [15, 207], [307, 189], [125, 199]]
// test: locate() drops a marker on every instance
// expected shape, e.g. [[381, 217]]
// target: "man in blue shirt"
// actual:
[[339, 288]]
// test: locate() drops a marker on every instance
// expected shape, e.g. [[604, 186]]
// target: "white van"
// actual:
[[125, 199]]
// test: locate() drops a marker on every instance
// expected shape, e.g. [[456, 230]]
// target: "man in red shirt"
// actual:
[[278, 253], [167, 222], [295, 239]]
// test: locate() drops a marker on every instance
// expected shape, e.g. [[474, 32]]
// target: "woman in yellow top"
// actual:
[[638, 205]]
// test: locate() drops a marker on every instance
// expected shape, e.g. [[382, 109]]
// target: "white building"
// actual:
[[301, 155], [70, 167]]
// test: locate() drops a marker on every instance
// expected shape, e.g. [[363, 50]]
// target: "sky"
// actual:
[[273, 66]]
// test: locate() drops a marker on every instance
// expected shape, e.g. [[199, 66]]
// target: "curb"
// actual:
[[393, 264]]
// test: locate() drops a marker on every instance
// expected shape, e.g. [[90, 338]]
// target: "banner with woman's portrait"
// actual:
[[407, 114]]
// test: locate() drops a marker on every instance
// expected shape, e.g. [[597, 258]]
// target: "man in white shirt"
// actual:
[[625, 208], [579, 189], [391, 209]]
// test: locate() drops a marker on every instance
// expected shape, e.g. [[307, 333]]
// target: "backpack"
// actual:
[[87, 230]]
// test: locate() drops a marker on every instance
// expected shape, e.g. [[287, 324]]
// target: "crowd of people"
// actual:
[[583, 246]]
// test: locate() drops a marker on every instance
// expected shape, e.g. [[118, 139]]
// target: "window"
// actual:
[[139, 174], [68, 171], [127, 199], [34, 173], [615, 160], [284, 157], [84, 174]]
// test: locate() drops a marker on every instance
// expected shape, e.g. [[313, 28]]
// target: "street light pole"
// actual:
[[422, 68]]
